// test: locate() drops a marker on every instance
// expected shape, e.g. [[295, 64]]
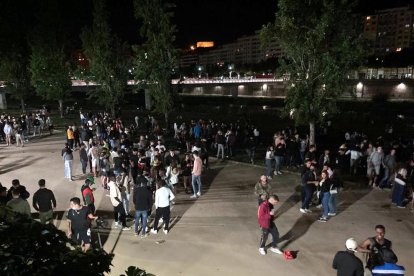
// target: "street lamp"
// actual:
[[231, 68]]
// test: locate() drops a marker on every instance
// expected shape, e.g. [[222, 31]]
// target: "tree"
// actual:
[[320, 45], [30, 248], [156, 58], [49, 61], [108, 59], [15, 24]]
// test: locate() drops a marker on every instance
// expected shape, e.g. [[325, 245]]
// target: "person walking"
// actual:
[[79, 223], [196, 175], [116, 200], [44, 202], [346, 263], [143, 203], [163, 197], [266, 221]]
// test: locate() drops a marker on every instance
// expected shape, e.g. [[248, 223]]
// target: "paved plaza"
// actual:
[[218, 234]]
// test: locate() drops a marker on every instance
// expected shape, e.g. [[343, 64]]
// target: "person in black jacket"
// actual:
[[143, 203], [16, 186], [346, 263], [44, 202]]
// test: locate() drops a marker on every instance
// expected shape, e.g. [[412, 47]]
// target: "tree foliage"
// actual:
[[320, 45], [30, 248], [156, 58], [49, 63], [14, 48], [108, 59]]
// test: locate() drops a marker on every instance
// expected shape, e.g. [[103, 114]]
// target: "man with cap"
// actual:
[[87, 193], [346, 263], [390, 266]]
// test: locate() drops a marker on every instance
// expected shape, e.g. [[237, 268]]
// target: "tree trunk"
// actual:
[[166, 121], [312, 133], [113, 111], [23, 105], [61, 108]]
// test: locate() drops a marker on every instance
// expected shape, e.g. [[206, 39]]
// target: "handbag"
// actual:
[[333, 191]]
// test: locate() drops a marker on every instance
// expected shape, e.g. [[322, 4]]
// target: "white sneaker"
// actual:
[[276, 250], [308, 211], [269, 177], [165, 232], [319, 206], [302, 210], [117, 225], [198, 194], [332, 214], [279, 172], [126, 228], [262, 251], [161, 220], [193, 196], [153, 231], [275, 173]]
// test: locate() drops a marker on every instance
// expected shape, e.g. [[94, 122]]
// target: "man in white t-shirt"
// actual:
[[116, 200], [163, 196]]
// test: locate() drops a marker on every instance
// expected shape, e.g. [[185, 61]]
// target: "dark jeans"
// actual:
[[163, 212], [84, 165], [265, 233], [308, 196], [398, 194], [119, 214]]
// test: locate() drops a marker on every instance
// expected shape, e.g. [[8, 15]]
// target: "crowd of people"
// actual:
[[139, 161]]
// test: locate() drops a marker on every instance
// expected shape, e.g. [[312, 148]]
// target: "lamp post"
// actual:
[[231, 68]]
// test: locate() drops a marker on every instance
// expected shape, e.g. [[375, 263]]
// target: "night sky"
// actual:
[[220, 20]]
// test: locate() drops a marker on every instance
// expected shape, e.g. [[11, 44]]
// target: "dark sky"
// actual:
[[219, 20]]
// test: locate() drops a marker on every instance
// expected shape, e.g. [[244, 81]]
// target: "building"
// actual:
[[389, 30], [245, 50]]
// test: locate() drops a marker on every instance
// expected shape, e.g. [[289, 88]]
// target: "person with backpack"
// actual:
[[373, 247], [87, 193]]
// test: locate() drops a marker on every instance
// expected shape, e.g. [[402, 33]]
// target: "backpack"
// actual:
[[375, 257]]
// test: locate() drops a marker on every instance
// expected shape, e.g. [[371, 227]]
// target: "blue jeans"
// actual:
[[308, 196], [332, 203], [384, 180], [143, 215], [398, 194], [196, 179], [268, 167], [279, 160], [325, 204]]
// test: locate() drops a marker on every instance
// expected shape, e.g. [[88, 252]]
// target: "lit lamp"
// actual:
[[401, 88], [231, 68], [360, 89]]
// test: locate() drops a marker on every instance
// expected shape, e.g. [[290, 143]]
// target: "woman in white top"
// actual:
[[269, 157], [172, 175]]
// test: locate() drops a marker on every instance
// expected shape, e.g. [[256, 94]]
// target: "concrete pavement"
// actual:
[[218, 233]]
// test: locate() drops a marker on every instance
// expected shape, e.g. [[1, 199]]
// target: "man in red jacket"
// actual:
[[265, 218]]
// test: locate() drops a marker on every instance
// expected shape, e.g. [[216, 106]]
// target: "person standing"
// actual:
[[325, 194], [399, 188], [262, 189], [308, 185], [374, 245], [196, 175], [163, 197], [83, 157], [116, 200], [18, 204], [346, 263], [266, 218], [24, 194], [79, 225], [8, 131], [87, 193], [143, 203], [44, 202], [68, 162]]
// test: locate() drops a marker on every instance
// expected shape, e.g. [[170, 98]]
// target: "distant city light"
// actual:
[[368, 17], [192, 47], [398, 50], [359, 86], [205, 44], [401, 87]]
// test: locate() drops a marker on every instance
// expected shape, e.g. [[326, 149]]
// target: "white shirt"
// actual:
[[114, 192], [7, 129], [163, 196]]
